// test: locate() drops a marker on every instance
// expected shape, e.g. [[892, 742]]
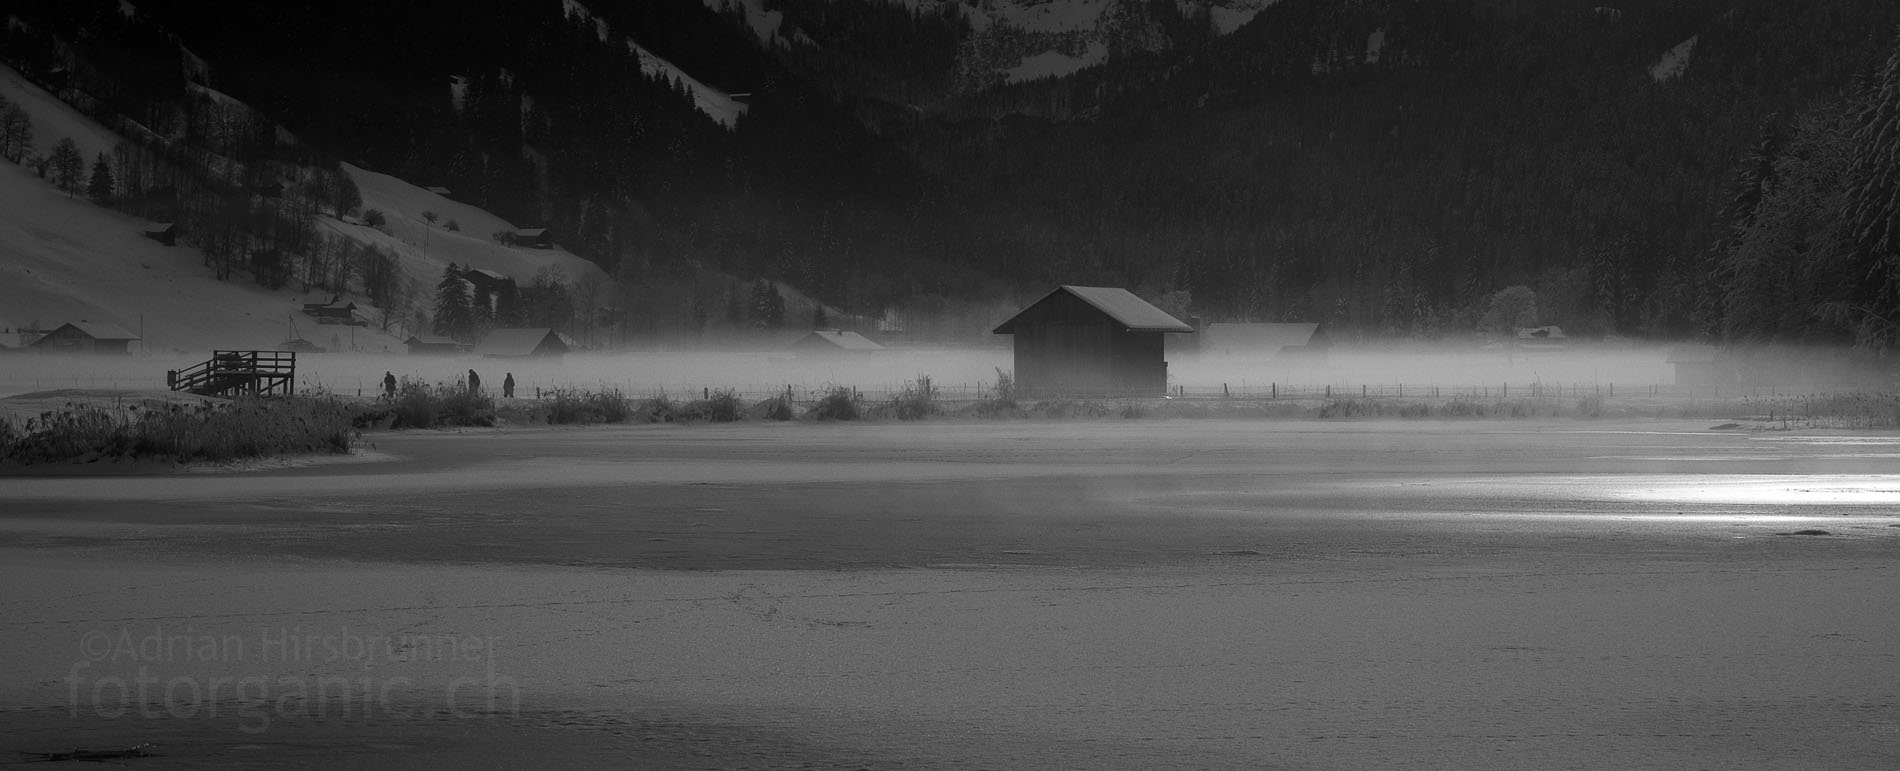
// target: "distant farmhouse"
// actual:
[[831, 341], [86, 337], [530, 238], [1091, 340], [486, 287], [433, 345], [336, 311], [1291, 341], [521, 343]]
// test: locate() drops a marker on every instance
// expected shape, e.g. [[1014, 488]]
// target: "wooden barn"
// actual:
[[1084, 340], [433, 345], [336, 311], [521, 343], [86, 337], [1698, 365], [531, 238], [830, 341]]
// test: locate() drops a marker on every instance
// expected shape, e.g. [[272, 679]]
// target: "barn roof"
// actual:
[[839, 339], [1257, 337], [1119, 304], [521, 342], [430, 340], [1693, 354], [486, 273]]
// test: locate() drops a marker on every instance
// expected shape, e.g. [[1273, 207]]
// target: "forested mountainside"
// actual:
[[1667, 169]]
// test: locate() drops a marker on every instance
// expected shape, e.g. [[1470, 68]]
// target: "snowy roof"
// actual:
[[530, 341], [531, 232], [838, 339], [430, 340], [101, 331], [486, 273], [1119, 304], [1256, 337]]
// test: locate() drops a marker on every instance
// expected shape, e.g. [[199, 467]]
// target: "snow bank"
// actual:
[[1674, 61]]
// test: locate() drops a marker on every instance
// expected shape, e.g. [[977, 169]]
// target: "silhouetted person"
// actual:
[[389, 384], [508, 386], [474, 382]]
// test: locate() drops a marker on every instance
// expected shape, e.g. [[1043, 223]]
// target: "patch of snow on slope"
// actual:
[[1375, 45], [1673, 61], [1226, 20], [764, 23], [717, 104], [127, 10], [53, 120], [458, 92], [1055, 64]]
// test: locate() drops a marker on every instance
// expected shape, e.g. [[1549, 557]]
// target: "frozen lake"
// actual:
[[1120, 594]]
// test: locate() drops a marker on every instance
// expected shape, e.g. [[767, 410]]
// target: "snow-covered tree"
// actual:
[[67, 166], [1509, 309], [1873, 211]]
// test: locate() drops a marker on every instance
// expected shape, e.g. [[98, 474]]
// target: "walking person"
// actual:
[[389, 385], [474, 382], [508, 386]]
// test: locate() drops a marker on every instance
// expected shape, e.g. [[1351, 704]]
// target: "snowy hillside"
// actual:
[[425, 249], [68, 259], [65, 259]]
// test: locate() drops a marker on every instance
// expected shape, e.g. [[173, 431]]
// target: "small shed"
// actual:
[[518, 343], [829, 341], [441, 191], [86, 337], [1541, 338], [433, 345], [532, 238], [1091, 340], [164, 233], [1698, 365]]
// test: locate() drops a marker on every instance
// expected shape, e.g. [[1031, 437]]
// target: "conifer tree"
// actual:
[[101, 186], [453, 316]]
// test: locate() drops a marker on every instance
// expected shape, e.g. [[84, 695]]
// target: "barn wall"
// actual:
[[1063, 345]]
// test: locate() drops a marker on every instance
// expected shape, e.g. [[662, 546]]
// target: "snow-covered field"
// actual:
[[1101, 595]]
